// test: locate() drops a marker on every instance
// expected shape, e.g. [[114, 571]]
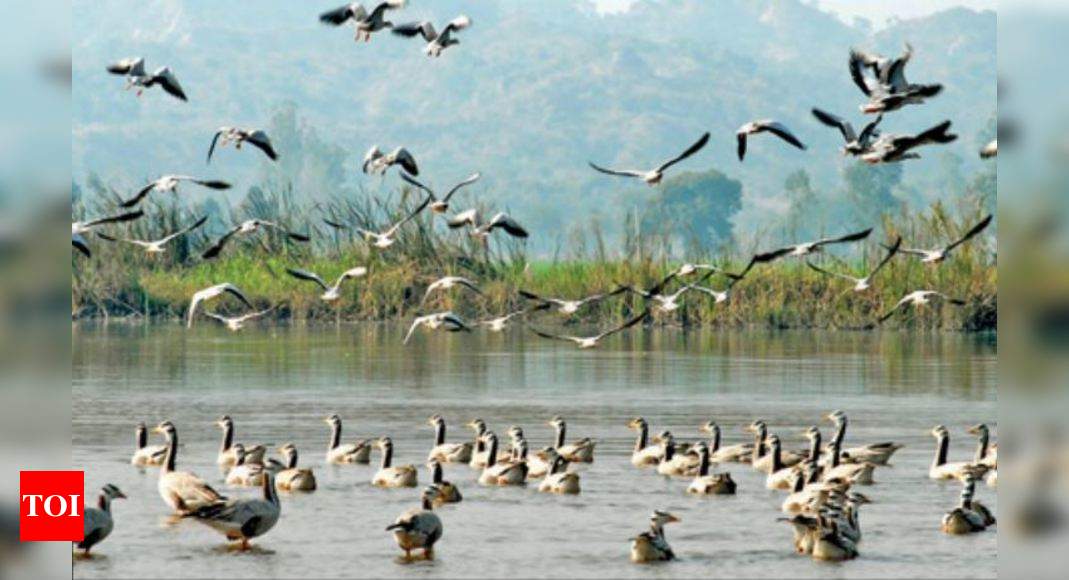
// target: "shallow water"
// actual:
[[279, 383]]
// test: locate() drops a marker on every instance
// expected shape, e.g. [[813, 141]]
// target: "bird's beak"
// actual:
[[673, 519], [705, 429], [974, 430], [157, 430]]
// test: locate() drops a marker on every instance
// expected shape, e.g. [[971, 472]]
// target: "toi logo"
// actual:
[[51, 506]]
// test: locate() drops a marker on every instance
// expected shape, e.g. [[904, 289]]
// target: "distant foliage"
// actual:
[[695, 209]]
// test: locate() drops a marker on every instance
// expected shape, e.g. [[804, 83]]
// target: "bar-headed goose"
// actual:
[[762, 458], [419, 529], [644, 454], [965, 519], [501, 473], [243, 473], [938, 255], [986, 453], [918, 299], [718, 453], [447, 452], [228, 455], [942, 469], [436, 41], [145, 454], [764, 126], [364, 22], [651, 546], [170, 183], [857, 473], [559, 480], [856, 144], [390, 475], [447, 321], [654, 176], [566, 306], [875, 453], [97, 522], [673, 462], [236, 135], [894, 148], [294, 478], [211, 293], [581, 451], [780, 476], [441, 205], [330, 293], [183, 491], [134, 71], [338, 452], [831, 545], [447, 492], [864, 282], [888, 90], [244, 519], [709, 484], [377, 162]]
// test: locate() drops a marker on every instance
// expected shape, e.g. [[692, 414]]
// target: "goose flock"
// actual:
[[820, 483]]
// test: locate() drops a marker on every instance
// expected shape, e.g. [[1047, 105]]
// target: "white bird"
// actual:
[[447, 283], [236, 323], [145, 454], [330, 293], [592, 341], [183, 491], [244, 473], [248, 227], [807, 248], [83, 227], [155, 246], [865, 282], [654, 176], [419, 529], [938, 255], [990, 150], [856, 144], [134, 71], [764, 126], [501, 322], [244, 519], [920, 298], [214, 292], [445, 320], [97, 522], [441, 205], [377, 162], [170, 183], [565, 306], [387, 238], [342, 453], [436, 41], [894, 148], [482, 230], [365, 23], [236, 135]]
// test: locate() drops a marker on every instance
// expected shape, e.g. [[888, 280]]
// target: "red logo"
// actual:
[[51, 506]]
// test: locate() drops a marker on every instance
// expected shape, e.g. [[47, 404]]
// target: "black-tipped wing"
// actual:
[[626, 325], [972, 232], [211, 183], [409, 217], [891, 251], [168, 82], [470, 180], [508, 224], [79, 243], [140, 195], [309, 276], [842, 125], [412, 181], [780, 130], [410, 29], [233, 291], [619, 172], [185, 231], [844, 239], [696, 147], [339, 15], [211, 149], [857, 72], [218, 246], [768, 257], [335, 225], [260, 140], [123, 217], [740, 148], [407, 162]]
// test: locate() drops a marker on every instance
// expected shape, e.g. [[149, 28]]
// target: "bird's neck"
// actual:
[[981, 448], [643, 438], [335, 435], [387, 456], [714, 443], [560, 435], [941, 450], [293, 459], [814, 448], [228, 437], [439, 433], [840, 432], [172, 450], [270, 495], [491, 453], [703, 466], [436, 473], [428, 504], [142, 438], [104, 503]]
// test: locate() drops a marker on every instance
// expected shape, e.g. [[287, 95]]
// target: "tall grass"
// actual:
[[121, 280]]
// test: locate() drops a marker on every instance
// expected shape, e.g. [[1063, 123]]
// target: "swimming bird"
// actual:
[[228, 454], [675, 463], [248, 227], [293, 478], [387, 238], [865, 282], [377, 162], [134, 71], [501, 473], [448, 283], [482, 230], [155, 246], [585, 342], [338, 452], [764, 126], [145, 454], [237, 323], [739, 453], [330, 293], [244, 474], [170, 183], [807, 248], [246, 518], [390, 475], [942, 469], [888, 90], [480, 453], [855, 143], [366, 23], [447, 492], [919, 298], [236, 135], [441, 205], [581, 451], [938, 255], [559, 480], [183, 491], [876, 453], [831, 545], [780, 476], [893, 148], [762, 458], [447, 452], [654, 176], [83, 227], [705, 483], [856, 473], [97, 522], [566, 306], [419, 529], [211, 293], [986, 454], [436, 41], [644, 454], [651, 546], [965, 518], [444, 320]]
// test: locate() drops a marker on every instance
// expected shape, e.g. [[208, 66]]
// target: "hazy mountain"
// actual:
[[534, 91]]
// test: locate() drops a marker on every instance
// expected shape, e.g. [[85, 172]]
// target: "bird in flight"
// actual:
[[863, 283], [585, 342], [170, 183], [446, 283], [134, 71], [565, 306], [764, 126], [248, 227], [894, 148], [377, 162], [482, 230], [236, 323], [654, 176], [441, 205], [332, 292], [444, 320], [887, 89], [920, 298], [155, 246], [387, 238], [856, 144], [807, 248], [938, 255], [211, 293], [366, 23], [436, 41], [236, 135]]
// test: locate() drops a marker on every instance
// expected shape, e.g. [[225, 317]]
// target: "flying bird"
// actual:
[[654, 176], [893, 148], [377, 162], [585, 342], [84, 227], [447, 283], [156, 246], [920, 298], [856, 144], [255, 137], [134, 71], [236, 323], [78, 243], [887, 89], [436, 42], [441, 205], [764, 126], [865, 282], [385, 239], [248, 227], [211, 293], [444, 320], [565, 306], [365, 23], [501, 322], [806, 248], [170, 183], [482, 230], [330, 293], [938, 255]]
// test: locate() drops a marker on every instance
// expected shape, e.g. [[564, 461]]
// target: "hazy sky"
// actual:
[[875, 10]]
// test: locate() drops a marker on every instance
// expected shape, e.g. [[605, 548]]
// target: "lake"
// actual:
[[279, 382]]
